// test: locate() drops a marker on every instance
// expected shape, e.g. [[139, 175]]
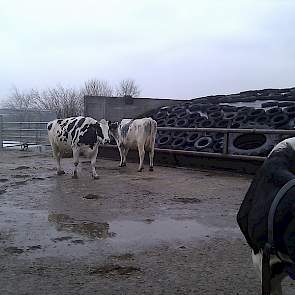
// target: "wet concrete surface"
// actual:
[[171, 231]]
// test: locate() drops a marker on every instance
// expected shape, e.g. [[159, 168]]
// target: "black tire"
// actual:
[[235, 125], [178, 134], [198, 121], [218, 136], [171, 115], [215, 115], [203, 142], [264, 119], [279, 120], [182, 114], [178, 143], [182, 123], [273, 111], [164, 141], [229, 116], [160, 115], [245, 110], [269, 104], [207, 124], [290, 111], [213, 109], [251, 144], [161, 123], [240, 118], [286, 104], [178, 109], [255, 113], [191, 138], [192, 116], [217, 147], [194, 108], [171, 122], [222, 124], [228, 108]]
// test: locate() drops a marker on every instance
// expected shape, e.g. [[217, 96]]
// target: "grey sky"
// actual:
[[179, 49]]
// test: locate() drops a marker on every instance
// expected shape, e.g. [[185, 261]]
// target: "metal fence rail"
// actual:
[[22, 134], [33, 133]]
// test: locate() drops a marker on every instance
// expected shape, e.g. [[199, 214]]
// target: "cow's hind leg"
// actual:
[[125, 152], [76, 162], [57, 156], [141, 153], [151, 156], [121, 151], [92, 164]]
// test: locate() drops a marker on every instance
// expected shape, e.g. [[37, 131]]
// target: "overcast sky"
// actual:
[[178, 49]]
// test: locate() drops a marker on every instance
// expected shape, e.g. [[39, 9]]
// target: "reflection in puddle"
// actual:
[[159, 230], [90, 229]]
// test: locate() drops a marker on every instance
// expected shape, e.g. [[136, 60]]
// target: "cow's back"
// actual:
[[138, 132], [64, 134]]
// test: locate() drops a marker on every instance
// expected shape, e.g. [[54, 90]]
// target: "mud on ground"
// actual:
[[171, 231]]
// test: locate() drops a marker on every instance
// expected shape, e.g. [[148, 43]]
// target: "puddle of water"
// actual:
[[35, 233], [89, 229], [167, 230]]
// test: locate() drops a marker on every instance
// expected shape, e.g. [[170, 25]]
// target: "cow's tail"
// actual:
[[151, 132]]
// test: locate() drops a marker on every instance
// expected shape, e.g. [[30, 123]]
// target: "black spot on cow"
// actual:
[[89, 137], [98, 130], [78, 125], [71, 125], [64, 123], [86, 126], [80, 122], [125, 128], [59, 121], [49, 126], [66, 134]]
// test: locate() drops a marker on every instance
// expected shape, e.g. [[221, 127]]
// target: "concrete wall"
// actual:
[[117, 108]]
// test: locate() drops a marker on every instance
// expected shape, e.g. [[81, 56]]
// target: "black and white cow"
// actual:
[[277, 170], [77, 135], [135, 134]]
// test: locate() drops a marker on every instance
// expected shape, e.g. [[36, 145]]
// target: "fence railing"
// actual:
[[22, 134], [32, 133]]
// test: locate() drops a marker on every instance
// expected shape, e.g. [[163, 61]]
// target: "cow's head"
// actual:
[[104, 128], [113, 128]]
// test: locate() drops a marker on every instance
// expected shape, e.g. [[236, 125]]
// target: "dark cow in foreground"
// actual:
[[135, 134], [277, 170], [80, 135]]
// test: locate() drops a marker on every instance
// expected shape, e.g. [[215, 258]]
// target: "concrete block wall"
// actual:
[[117, 108]]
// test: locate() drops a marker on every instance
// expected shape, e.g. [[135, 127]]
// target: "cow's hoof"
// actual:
[[75, 176], [61, 172], [122, 165], [140, 170], [151, 169], [95, 176]]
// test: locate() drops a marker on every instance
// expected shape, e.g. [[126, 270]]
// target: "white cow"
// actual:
[[77, 135], [135, 134]]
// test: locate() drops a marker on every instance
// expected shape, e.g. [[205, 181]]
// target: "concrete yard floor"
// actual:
[[171, 231]]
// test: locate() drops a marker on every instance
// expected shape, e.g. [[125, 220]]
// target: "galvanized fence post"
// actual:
[[1, 132]]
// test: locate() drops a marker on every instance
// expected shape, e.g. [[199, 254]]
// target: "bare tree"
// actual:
[[128, 87], [65, 102], [20, 100], [97, 88]]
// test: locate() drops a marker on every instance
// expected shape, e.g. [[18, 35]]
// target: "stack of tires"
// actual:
[[207, 114]]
